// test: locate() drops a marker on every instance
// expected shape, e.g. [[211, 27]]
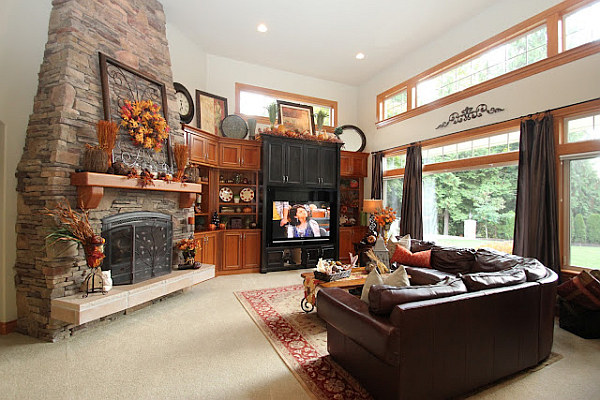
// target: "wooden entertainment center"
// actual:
[[238, 164]]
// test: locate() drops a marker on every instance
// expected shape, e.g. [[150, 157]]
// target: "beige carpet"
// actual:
[[203, 345]]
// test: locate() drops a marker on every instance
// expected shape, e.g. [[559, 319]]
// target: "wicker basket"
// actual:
[[333, 277]]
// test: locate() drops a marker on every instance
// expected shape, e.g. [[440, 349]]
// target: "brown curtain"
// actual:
[[377, 176], [411, 215], [536, 219]]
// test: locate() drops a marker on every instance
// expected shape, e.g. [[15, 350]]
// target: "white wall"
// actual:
[[23, 35], [188, 61], [568, 84], [224, 72]]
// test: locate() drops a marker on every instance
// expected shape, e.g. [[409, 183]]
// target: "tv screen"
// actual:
[[300, 220]]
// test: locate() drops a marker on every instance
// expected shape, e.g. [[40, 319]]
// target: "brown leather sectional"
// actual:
[[437, 342]]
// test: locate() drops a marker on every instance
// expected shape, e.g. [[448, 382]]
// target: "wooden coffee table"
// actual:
[[311, 286]]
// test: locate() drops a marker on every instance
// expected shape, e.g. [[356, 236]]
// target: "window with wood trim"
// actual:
[[252, 102], [564, 33]]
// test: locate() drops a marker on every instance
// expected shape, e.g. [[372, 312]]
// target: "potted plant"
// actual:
[[272, 109], [320, 116]]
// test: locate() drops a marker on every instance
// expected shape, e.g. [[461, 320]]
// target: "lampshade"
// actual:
[[370, 206]]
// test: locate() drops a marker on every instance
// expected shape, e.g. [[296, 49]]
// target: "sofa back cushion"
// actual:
[[417, 245], [487, 280], [383, 298], [454, 260], [490, 260], [426, 276], [407, 257]]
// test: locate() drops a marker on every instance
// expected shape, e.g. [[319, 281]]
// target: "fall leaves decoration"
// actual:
[[143, 122]]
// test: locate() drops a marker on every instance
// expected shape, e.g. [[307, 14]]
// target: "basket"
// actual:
[[333, 277]]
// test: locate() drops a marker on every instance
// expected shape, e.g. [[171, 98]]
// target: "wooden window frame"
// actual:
[[549, 17], [278, 94]]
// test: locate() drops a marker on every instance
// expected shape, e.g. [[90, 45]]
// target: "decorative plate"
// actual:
[[226, 194], [234, 126], [246, 195]]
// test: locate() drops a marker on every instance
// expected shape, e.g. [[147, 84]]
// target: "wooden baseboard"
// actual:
[[8, 327]]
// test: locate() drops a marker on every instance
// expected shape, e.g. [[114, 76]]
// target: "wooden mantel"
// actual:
[[90, 188]]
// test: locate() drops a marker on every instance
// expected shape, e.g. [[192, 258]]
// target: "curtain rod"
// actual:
[[528, 116]]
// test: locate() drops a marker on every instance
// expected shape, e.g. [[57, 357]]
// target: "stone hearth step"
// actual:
[[78, 310]]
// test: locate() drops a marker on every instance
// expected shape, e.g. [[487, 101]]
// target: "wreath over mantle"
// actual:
[[146, 126]]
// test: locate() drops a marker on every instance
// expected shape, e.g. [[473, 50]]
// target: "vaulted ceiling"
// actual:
[[319, 38]]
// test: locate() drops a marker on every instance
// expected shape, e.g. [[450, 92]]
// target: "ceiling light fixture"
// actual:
[[360, 56], [262, 28]]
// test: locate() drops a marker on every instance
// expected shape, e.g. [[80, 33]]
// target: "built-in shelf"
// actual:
[[90, 188], [78, 310]]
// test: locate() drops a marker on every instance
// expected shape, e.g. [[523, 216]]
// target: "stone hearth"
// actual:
[[67, 106]]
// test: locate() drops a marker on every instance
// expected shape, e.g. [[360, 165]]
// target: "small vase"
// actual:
[[188, 256]]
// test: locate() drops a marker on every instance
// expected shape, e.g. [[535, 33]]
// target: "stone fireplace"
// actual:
[[67, 106]]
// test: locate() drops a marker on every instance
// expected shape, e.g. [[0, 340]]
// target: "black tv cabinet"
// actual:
[[298, 166]]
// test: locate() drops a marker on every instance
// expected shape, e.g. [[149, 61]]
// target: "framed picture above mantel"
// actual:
[[210, 111]]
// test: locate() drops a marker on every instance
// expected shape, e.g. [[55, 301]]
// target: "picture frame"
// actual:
[[296, 116], [235, 223], [211, 109]]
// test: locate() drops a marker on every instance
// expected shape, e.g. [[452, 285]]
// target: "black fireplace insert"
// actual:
[[138, 246]]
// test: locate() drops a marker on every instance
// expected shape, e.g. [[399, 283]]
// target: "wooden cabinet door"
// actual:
[[346, 165], [197, 151], [232, 250], [346, 246], [294, 163], [252, 249], [209, 249], [311, 165], [359, 166], [328, 167], [230, 155], [250, 157], [276, 162], [211, 148]]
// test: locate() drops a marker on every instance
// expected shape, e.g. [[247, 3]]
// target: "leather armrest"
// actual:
[[351, 316]]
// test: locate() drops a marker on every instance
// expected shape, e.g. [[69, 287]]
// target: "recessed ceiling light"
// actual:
[[360, 56], [262, 28]]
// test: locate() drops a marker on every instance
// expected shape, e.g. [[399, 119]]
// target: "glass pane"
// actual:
[[585, 212], [473, 208], [392, 197], [583, 128], [327, 110], [395, 105], [582, 26], [394, 162], [255, 104]]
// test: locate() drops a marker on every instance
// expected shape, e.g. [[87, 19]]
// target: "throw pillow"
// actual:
[[397, 278], [406, 257], [584, 289], [403, 241], [372, 279]]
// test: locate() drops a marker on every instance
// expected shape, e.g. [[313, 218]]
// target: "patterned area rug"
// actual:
[[300, 340]]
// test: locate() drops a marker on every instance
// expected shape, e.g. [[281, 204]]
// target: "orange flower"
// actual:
[[385, 216]]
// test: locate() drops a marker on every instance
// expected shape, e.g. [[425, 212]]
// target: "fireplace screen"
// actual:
[[138, 246]]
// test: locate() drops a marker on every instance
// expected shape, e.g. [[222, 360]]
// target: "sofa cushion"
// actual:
[[417, 245], [426, 276], [406, 257], [487, 280], [383, 298], [489, 260], [583, 289], [455, 260]]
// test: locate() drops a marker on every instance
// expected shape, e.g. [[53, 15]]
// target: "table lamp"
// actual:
[[370, 206]]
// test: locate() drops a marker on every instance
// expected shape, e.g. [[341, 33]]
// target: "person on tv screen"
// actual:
[[280, 218], [301, 224]]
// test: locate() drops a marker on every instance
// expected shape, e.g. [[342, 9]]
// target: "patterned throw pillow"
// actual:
[[584, 289], [406, 257]]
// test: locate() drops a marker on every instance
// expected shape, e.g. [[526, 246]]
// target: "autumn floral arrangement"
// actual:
[[384, 218], [188, 249], [144, 123]]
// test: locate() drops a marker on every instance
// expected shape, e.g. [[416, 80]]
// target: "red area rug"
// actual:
[[301, 341]]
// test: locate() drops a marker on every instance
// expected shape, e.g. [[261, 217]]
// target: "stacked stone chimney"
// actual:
[[67, 106]]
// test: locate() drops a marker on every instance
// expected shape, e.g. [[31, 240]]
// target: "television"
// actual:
[[300, 216]]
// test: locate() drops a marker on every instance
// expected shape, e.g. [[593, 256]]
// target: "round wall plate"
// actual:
[[247, 195], [226, 194], [353, 137], [234, 126]]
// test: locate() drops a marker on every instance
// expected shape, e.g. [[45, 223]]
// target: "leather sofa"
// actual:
[[466, 327]]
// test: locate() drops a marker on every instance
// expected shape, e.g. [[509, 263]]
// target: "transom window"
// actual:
[[486, 146], [395, 105], [517, 53], [582, 26], [586, 128]]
